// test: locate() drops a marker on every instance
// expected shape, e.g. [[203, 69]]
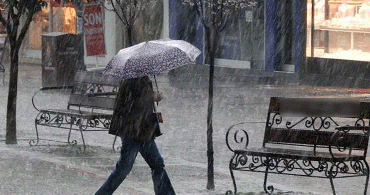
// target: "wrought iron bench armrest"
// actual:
[[237, 137], [45, 89]]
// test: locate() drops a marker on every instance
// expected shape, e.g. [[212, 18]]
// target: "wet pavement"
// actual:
[[53, 168]]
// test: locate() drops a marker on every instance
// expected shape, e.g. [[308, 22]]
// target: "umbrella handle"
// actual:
[[156, 85]]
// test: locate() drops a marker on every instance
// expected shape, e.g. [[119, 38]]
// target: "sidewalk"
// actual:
[[26, 170], [59, 170], [30, 172]]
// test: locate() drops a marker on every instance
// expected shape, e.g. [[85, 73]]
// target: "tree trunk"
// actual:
[[11, 127], [15, 13], [129, 35]]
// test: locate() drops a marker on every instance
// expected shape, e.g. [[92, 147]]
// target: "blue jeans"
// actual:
[[149, 151]]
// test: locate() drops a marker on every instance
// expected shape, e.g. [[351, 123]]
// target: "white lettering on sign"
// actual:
[[93, 19], [94, 31]]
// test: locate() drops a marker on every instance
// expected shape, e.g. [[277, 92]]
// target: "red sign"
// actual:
[[70, 4], [94, 29], [54, 4]]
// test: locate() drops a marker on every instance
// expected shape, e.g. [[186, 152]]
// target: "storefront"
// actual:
[[58, 16], [285, 35], [263, 37], [315, 38], [65, 16], [325, 41], [338, 36], [242, 42], [341, 29]]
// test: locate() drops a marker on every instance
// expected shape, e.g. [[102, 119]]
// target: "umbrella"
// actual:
[[151, 58]]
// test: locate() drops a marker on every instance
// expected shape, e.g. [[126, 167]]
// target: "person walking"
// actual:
[[133, 120]]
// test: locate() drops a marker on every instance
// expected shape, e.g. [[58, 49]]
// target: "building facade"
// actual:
[[263, 37], [322, 41], [338, 32], [314, 39], [62, 16]]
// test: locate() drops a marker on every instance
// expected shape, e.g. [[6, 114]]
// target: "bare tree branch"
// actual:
[[25, 27], [122, 16], [2, 19], [128, 12]]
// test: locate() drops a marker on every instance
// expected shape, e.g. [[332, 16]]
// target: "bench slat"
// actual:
[[319, 107], [297, 154], [311, 138], [106, 103], [76, 113]]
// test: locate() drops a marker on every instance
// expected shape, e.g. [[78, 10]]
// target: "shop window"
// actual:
[[231, 40], [338, 29], [241, 43], [63, 18], [58, 16], [38, 26]]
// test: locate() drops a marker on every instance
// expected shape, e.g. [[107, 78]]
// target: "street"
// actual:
[[183, 143]]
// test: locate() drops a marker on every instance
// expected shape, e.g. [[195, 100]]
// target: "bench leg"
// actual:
[[268, 189], [367, 176], [79, 122], [73, 142], [33, 142], [331, 177], [82, 136], [232, 174]]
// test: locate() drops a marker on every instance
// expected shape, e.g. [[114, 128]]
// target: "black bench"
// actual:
[[313, 137], [90, 106]]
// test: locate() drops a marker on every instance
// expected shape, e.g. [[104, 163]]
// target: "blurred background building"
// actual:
[[317, 41], [314, 40]]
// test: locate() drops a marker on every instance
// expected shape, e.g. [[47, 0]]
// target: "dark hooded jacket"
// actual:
[[133, 113]]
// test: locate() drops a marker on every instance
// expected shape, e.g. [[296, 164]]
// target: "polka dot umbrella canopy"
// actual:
[[151, 58]]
